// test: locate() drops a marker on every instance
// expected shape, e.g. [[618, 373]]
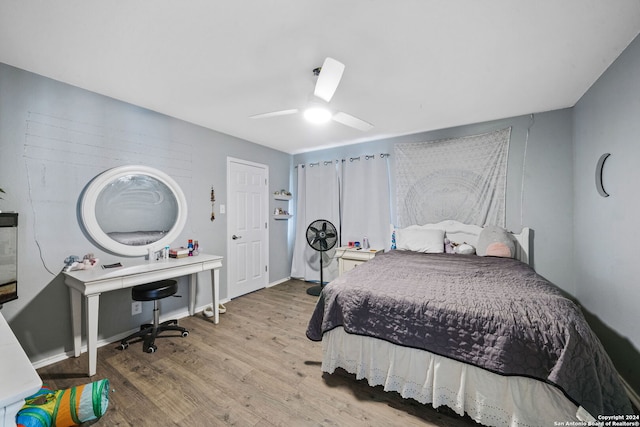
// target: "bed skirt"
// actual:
[[488, 398]]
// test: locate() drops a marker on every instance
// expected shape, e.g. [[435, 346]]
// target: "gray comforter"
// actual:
[[494, 313]]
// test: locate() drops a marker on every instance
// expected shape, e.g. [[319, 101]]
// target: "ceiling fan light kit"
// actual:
[[329, 76], [317, 115]]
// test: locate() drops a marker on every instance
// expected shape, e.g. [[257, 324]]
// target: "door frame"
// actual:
[[265, 230]]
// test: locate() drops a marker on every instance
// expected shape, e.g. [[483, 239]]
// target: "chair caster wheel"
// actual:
[[151, 349], [185, 333], [124, 346]]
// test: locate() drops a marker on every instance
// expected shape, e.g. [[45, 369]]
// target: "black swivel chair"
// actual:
[[154, 291]]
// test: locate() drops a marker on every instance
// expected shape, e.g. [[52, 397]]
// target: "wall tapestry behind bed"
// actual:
[[466, 177]]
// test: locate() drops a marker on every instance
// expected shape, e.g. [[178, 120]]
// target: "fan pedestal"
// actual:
[[315, 290]]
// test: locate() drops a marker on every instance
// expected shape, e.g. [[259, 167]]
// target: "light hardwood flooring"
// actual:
[[255, 368]]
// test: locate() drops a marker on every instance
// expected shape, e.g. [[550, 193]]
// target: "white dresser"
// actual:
[[350, 258], [18, 378]]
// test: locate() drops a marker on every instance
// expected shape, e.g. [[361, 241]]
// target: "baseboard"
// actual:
[[106, 341], [277, 282]]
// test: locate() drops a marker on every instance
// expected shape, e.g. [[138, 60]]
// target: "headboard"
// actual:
[[459, 233]]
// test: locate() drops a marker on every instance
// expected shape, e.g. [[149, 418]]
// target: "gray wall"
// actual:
[[607, 120], [53, 139], [546, 203]]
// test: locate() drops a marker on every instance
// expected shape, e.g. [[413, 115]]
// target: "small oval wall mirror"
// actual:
[[130, 210]]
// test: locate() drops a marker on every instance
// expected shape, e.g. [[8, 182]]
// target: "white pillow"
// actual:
[[420, 240]]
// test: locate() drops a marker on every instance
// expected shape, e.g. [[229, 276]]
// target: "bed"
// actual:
[[483, 335]]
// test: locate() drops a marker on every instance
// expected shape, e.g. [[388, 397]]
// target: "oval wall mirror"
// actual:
[[130, 210]]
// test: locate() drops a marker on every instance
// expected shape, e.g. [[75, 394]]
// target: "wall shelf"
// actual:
[[279, 212], [282, 216]]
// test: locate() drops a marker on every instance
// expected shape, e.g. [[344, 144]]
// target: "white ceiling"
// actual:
[[411, 65]]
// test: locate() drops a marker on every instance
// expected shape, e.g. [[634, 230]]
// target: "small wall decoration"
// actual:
[[282, 192], [213, 199], [280, 211], [599, 167]]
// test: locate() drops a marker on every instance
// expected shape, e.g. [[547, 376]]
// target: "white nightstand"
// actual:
[[349, 258]]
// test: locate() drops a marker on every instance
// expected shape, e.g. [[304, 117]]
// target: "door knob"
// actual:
[[234, 237]]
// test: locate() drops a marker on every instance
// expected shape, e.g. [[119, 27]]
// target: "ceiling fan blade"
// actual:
[[274, 114], [351, 121], [329, 78]]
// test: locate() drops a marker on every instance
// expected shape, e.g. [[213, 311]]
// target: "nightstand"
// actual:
[[349, 258]]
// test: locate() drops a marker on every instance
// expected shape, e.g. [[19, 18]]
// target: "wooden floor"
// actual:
[[255, 368]]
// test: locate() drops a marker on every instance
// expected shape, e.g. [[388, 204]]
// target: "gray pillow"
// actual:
[[496, 241]]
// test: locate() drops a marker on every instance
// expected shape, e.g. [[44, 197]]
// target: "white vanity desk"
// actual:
[[92, 282]]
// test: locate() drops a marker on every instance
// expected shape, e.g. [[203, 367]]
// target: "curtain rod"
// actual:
[[350, 159]]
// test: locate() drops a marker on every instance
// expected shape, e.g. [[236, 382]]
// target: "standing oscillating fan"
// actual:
[[321, 236]]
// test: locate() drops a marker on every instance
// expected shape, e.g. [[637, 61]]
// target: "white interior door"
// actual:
[[247, 231]]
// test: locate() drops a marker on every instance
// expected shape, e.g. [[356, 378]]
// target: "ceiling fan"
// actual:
[[317, 111]]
